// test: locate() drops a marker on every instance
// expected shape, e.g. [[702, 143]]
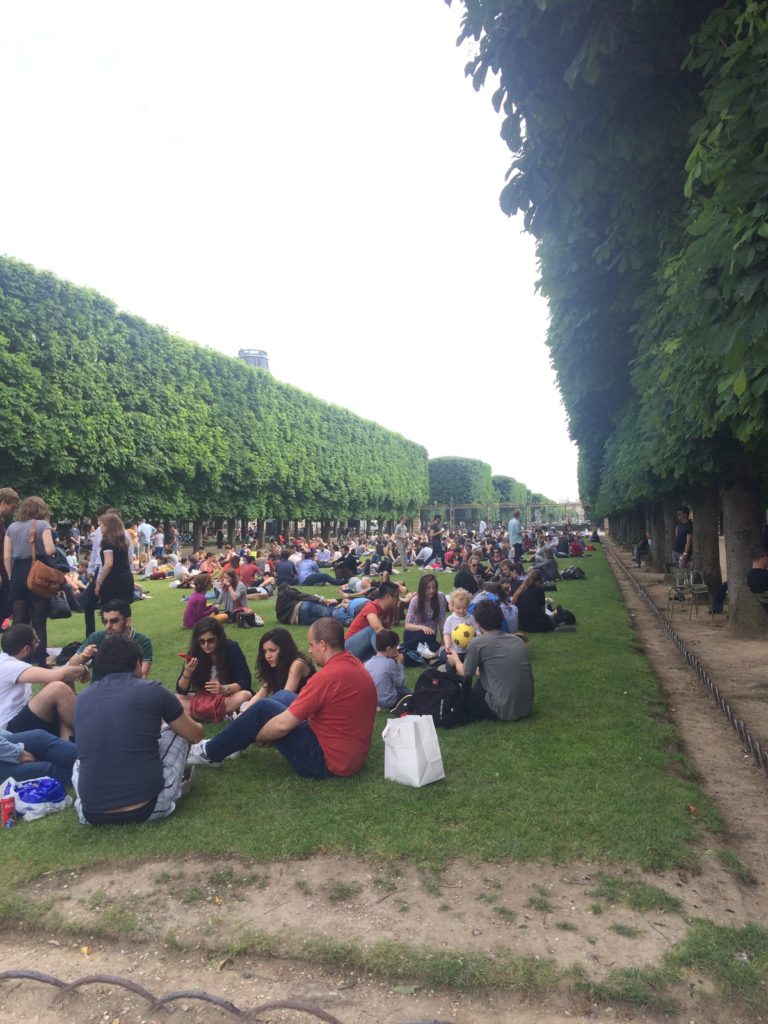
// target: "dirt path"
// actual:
[[740, 669], [173, 928]]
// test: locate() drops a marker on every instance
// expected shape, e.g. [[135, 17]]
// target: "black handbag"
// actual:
[[59, 608], [58, 560]]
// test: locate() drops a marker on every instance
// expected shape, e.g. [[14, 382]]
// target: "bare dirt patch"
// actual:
[[196, 924], [520, 910]]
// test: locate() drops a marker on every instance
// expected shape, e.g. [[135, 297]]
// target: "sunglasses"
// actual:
[[111, 622], [205, 640]]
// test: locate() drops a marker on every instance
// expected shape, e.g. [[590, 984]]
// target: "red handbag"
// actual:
[[42, 580], [208, 707]]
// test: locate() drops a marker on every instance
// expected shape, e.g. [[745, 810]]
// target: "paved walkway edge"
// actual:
[[754, 745]]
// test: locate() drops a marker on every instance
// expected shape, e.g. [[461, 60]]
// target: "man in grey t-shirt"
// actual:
[[504, 691]]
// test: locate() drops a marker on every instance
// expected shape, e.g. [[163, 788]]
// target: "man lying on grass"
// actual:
[[325, 730]]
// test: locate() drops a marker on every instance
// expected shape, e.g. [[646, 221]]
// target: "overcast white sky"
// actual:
[[318, 180]]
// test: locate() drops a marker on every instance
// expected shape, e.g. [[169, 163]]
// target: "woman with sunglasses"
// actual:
[[215, 680]]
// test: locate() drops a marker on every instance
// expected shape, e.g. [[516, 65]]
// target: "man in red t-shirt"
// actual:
[[370, 620], [325, 730]]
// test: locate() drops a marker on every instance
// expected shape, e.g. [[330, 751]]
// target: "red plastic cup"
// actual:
[[8, 805]]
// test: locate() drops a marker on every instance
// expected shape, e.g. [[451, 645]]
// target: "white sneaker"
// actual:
[[197, 755]]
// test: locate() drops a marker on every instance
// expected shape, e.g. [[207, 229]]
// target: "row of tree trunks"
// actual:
[[743, 527]]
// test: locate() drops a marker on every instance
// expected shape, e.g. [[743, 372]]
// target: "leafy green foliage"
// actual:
[[458, 480], [652, 228], [102, 406], [508, 490]]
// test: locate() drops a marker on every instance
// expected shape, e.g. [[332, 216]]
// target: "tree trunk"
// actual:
[[742, 525], [617, 528], [670, 522], [636, 526], [656, 530], [706, 537], [231, 531], [197, 534], [261, 530]]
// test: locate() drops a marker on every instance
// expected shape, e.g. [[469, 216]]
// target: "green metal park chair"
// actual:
[[679, 591], [698, 590]]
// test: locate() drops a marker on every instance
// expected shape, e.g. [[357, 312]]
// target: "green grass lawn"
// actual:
[[594, 773]]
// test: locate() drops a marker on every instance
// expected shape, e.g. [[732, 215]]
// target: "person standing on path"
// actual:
[[401, 543], [682, 547], [515, 530], [436, 530]]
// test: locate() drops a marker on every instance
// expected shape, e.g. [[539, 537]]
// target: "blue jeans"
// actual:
[[413, 637], [311, 611], [53, 757], [362, 643], [300, 747], [316, 579]]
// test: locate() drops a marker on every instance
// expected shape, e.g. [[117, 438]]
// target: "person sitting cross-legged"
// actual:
[[323, 731], [130, 767], [215, 679], [504, 690], [51, 708]]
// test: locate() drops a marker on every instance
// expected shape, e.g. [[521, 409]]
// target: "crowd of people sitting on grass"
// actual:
[[128, 744]]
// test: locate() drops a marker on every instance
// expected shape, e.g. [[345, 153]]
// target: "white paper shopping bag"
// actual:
[[412, 751]]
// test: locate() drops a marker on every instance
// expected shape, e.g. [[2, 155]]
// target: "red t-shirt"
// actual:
[[248, 573], [339, 704], [360, 621]]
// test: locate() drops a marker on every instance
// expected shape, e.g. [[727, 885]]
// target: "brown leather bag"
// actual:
[[42, 580]]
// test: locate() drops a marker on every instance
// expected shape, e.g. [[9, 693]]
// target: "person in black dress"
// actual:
[[115, 577]]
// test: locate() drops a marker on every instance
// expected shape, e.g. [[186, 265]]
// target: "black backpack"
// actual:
[[68, 652], [440, 694], [573, 572]]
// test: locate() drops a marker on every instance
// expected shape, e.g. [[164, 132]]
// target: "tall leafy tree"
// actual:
[[652, 235]]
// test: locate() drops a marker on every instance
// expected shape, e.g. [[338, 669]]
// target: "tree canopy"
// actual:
[[639, 134], [100, 406], [459, 481]]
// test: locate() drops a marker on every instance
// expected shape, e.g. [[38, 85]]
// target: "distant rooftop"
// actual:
[[254, 357]]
